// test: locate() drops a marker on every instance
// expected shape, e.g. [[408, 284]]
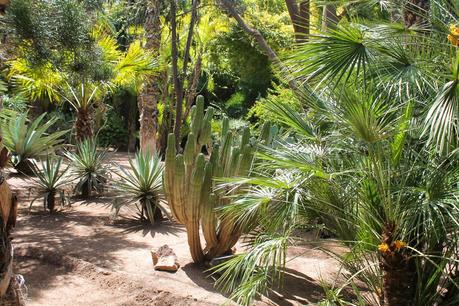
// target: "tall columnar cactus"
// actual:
[[190, 188]]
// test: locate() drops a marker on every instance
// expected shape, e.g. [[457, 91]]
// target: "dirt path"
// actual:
[[78, 257]]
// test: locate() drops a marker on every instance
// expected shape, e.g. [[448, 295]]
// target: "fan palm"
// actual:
[[142, 184], [27, 141], [375, 160], [89, 166]]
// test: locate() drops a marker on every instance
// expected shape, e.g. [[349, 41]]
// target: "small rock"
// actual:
[[164, 259]]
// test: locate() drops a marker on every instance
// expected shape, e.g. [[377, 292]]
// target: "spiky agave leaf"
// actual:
[[142, 183], [89, 165]]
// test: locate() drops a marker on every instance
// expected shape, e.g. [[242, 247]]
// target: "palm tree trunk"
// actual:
[[415, 12], [148, 102], [299, 15], [329, 17], [399, 272], [86, 189], [51, 201], [83, 124]]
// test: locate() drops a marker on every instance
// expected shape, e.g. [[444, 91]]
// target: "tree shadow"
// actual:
[[70, 233], [296, 288], [199, 275], [133, 225]]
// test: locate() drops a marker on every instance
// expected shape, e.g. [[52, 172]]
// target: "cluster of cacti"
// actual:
[[190, 188]]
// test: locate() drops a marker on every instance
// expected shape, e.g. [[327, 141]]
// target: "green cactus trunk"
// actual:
[[189, 184]]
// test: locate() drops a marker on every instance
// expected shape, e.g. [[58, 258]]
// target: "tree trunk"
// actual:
[[86, 189], [193, 83], [329, 17], [51, 201], [415, 12], [148, 102], [399, 272], [132, 122], [175, 75], [179, 79], [262, 43], [8, 214], [299, 15], [83, 124]]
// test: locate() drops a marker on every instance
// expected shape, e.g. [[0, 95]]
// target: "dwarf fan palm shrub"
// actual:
[[89, 166], [49, 180], [374, 159], [27, 141], [142, 185]]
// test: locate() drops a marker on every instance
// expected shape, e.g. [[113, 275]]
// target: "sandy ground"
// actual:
[[79, 257]]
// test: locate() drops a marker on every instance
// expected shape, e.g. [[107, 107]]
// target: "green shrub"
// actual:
[[114, 132], [279, 95], [27, 141]]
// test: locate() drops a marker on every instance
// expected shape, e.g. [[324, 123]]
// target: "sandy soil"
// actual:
[[79, 257]]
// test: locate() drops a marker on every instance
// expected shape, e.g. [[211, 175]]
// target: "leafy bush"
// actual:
[[89, 167], [16, 103], [114, 132], [235, 106], [29, 140], [142, 184], [49, 180], [278, 95]]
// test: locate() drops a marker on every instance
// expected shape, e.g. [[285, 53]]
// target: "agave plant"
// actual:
[[50, 180], [27, 141], [142, 185], [89, 166]]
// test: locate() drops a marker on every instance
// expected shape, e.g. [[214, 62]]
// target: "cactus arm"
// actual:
[[179, 190], [208, 223]]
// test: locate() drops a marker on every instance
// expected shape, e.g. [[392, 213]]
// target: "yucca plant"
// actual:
[[50, 180], [89, 165], [142, 185], [27, 141]]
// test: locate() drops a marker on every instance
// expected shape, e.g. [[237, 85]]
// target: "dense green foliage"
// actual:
[[357, 123], [28, 141]]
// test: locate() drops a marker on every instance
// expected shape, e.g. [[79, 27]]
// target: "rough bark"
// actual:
[[299, 15], [51, 201], [192, 87], [8, 213], [179, 79], [415, 12], [148, 102], [83, 124], [399, 273], [86, 190], [329, 17]]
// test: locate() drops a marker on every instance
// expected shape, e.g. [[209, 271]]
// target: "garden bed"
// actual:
[[79, 257]]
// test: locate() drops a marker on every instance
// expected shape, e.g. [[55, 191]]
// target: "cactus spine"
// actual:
[[189, 185]]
